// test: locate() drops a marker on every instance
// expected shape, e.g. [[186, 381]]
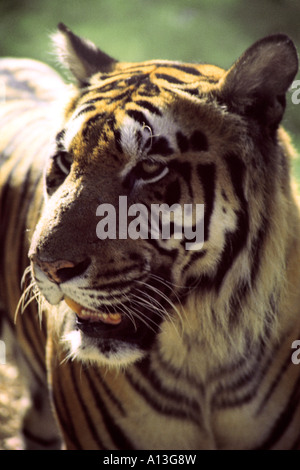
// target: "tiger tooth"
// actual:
[[73, 305], [93, 315], [115, 318], [88, 313]]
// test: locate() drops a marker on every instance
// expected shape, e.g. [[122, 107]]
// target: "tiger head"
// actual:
[[158, 134]]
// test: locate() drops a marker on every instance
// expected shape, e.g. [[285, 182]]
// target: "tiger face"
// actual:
[[150, 134]]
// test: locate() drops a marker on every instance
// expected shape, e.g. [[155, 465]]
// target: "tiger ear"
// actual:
[[258, 81], [80, 56]]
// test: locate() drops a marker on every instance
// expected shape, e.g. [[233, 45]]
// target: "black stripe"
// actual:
[[112, 273], [155, 383], [190, 379], [234, 241], [170, 79], [243, 388], [117, 135], [59, 138], [94, 100], [173, 193], [257, 247], [29, 327], [114, 85], [195, 256], [276, 381], [192, 91], [109, 392], [139, 117], [183, 169], [149, 89], [198, 141], [236, 168], [92, 120], [202, 282], [136, 79], [239, 364], [182, 142], [89, 418], [192, 71], [160, 146], [245, 287], [29, 363], [236, 302], [117, 435], [284, 418], [207, 175], [66, 424], [160, 407], [112, 286], [85, 110], [119, 97], [186, 69], [173, 253], [244, 374], [147, 105], [129, 180]]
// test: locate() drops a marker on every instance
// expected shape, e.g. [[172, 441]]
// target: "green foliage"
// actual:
[[213, 31]]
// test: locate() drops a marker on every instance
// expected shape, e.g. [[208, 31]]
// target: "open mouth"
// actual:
[[87, 315], [136, 321], [112, 325], [106, 325], [101, 325]]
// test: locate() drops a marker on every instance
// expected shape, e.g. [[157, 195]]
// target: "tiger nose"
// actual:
[[61, 270]]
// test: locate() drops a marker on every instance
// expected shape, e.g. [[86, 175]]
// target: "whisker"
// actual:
[[159, 309], [36, 295], [28, 295], [162, 311], [162, 295], [27, 273], [143, 318], [133, 314], [128, 313], [170, 285], [141, 302]]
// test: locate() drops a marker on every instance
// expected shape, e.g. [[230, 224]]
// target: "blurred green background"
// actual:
[[213, 31]]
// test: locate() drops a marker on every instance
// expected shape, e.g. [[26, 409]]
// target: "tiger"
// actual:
[[137, 342]]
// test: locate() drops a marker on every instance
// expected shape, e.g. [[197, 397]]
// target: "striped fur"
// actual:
[[200, 353]]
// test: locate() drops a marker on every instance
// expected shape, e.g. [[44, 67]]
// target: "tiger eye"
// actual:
[[150, 167]]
